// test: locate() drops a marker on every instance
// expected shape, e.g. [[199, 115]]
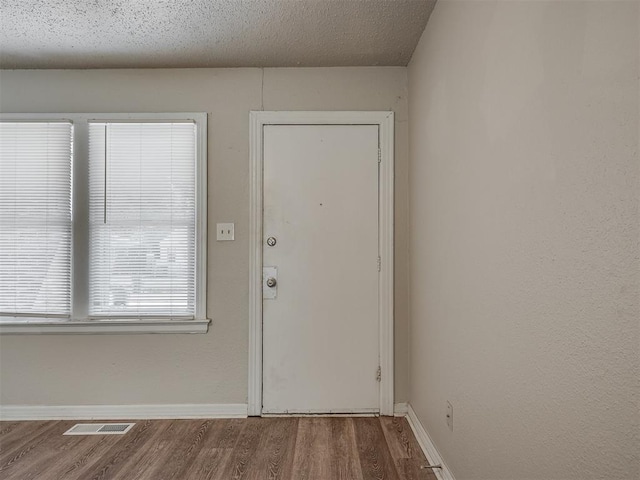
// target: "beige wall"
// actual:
[[524, 235], [212, 368]]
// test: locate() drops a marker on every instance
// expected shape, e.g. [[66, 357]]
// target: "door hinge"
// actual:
[[379, 156], [379, 374], [379, 264]]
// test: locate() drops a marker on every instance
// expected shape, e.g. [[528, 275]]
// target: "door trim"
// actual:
[[385, 122]]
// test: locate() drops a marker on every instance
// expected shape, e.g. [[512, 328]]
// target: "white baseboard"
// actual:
[[427, 445], [401, 409], [122, 412]]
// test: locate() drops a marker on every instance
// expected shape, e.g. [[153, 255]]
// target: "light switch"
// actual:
[[224, 231]]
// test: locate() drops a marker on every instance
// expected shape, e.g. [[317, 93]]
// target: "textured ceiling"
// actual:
[[209, 33]]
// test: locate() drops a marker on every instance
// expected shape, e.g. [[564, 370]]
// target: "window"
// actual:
[[141, 219], [128, 253], [35, 218]]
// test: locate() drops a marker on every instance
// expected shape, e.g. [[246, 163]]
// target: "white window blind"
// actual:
[[35, 218], [142, 219]]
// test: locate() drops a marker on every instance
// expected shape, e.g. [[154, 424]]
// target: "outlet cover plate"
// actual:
[[225, 232]]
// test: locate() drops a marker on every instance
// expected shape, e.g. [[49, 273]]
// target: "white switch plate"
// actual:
[[450, 416], [224, 231]]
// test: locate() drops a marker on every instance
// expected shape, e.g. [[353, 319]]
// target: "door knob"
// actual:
[[269, 283]]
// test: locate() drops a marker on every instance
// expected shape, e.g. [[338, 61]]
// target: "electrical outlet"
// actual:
[[450, 416], [224, 231]]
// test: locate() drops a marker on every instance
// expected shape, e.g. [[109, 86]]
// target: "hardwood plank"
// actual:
[[312, 457], [216, 449], [274, 457], [16, 437], [154, 452], [225, 432], [8, 427], [405, 449], [74, 464], [209, 464], [397, 438], [345, 461], [409, 470], [90, 450], [10, 460], [375, 459], [184, 451], [46, 454], [110, 463], [244, 451]]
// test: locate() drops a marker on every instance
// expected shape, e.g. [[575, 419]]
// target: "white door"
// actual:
[[321, 331]]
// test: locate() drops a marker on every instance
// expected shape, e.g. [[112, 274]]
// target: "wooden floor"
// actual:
[[254, 448]]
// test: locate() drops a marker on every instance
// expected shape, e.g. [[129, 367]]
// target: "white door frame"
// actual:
[[385, 122]]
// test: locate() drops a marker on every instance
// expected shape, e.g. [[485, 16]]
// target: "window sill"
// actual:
[[110, 326]]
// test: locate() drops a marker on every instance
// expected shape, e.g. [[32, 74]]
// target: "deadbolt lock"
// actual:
[[271, 241], [271, 282]]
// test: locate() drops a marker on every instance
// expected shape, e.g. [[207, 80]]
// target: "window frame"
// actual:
[[80, 322]]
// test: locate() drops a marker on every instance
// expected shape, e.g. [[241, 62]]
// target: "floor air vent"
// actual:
[[99, 429]]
